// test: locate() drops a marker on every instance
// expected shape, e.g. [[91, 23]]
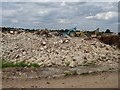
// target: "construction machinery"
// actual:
[[79, 33], [69, 32], [73, 32]]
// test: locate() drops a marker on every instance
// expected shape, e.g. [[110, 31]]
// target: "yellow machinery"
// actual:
[[79, 33]]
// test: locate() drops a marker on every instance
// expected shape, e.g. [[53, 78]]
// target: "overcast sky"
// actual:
[[61, 15]]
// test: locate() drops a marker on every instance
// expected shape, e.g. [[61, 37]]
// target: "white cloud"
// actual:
[[53, 15], [14, 21], [42, 12], [104, 15], [63, 3], [63, 21], [36, 22], [9, 12], [60, 0], [32, 0]]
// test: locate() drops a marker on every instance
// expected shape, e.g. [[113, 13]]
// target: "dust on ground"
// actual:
[[101, 80]]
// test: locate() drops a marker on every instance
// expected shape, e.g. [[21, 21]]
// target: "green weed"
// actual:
[[5, 64]]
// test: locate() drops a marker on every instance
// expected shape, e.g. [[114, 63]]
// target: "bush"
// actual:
[[5, 64]]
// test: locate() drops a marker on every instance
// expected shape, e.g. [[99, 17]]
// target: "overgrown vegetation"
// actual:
[[69, 73], [0, 63], [92, 63], [4, 64]]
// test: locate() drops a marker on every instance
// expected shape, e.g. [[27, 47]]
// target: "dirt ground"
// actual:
[[99, 80]]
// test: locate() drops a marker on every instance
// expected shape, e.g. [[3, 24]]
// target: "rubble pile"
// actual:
[[56, 50]]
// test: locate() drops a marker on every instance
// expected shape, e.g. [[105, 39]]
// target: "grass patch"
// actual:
[[5, 64], [67, 63], [0, 63], [118, 69], [89, 73], [69, 73], [33, 65], [92, 63]]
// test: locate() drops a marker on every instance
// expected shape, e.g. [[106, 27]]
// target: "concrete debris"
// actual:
[[73, 64], [57, 50], [43, 43], [11, 32]]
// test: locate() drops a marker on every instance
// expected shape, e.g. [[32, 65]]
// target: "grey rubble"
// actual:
[[56, 50]]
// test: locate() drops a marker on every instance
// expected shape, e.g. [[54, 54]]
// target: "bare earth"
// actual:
[[100, 80]]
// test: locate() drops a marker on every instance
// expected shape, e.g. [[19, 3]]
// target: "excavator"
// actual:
[[72, 32]]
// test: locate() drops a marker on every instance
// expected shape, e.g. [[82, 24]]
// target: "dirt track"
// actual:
[[100, 80]]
